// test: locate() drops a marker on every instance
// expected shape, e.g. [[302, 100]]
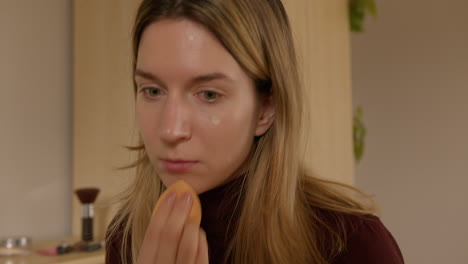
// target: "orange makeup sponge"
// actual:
[[181, 187]]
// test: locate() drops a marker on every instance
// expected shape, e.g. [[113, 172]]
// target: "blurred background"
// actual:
[[410, 75], [35, 117], [408, 71]]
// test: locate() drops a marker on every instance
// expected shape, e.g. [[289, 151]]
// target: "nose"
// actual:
[[175, 125]]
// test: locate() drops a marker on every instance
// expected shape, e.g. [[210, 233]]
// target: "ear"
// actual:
[[266, 115]]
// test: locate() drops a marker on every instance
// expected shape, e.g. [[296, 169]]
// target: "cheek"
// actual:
[[227, 137]]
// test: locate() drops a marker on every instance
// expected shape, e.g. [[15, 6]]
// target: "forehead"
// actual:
[[182, 45]]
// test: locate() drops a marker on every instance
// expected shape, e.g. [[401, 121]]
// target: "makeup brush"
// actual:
[[87, 197]]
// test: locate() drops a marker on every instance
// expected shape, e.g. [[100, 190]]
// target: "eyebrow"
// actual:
[[197, 79]]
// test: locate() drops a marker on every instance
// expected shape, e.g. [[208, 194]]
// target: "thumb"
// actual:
[[202, 254]]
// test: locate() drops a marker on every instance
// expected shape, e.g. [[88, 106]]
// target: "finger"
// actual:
[[150, 245], [202, 254], [187, 252], [170, 236]]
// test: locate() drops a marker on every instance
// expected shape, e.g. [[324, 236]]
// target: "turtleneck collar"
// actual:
[[220, 213]]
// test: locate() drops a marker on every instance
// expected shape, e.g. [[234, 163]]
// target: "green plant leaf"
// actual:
[[357, 13], [359, 134], [371, 7]]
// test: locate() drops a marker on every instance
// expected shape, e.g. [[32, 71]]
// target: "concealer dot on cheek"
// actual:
[[215, 121]]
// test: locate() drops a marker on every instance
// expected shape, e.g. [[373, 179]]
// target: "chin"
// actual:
[[198, 187]]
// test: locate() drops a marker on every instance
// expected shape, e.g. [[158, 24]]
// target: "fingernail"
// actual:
[[187, 198], [170, 198]]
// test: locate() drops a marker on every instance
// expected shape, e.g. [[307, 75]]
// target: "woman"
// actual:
[[219, 105]]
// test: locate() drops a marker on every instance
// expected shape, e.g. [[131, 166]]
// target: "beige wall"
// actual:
[[323, 40], [103, 103], [410, 73], [35, 118]]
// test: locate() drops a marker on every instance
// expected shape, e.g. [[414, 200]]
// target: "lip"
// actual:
[[178, 165]]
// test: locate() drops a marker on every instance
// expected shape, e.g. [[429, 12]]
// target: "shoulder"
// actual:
[[368, 241]]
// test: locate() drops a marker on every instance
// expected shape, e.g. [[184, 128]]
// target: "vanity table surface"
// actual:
[[95, 257]]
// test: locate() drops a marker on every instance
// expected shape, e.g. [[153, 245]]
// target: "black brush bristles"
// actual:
[[87, 195]]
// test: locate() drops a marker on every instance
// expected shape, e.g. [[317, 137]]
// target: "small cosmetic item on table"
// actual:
[[88, 246], [15, 246], [61, 249], [64, 248], [87, 196]]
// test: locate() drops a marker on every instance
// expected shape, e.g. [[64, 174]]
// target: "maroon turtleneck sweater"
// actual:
[[368, 241]]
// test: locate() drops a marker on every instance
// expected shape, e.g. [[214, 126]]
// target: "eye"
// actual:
[[210, 96], [152, 92]]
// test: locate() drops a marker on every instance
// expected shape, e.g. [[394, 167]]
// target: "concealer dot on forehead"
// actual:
[[189, 31]]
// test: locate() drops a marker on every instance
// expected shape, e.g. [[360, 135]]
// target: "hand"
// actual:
[[172, 238]]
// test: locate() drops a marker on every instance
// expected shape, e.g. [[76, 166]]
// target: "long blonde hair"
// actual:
[[281, 222]]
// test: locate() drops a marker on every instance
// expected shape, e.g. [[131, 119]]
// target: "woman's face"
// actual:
[[197, 109]]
